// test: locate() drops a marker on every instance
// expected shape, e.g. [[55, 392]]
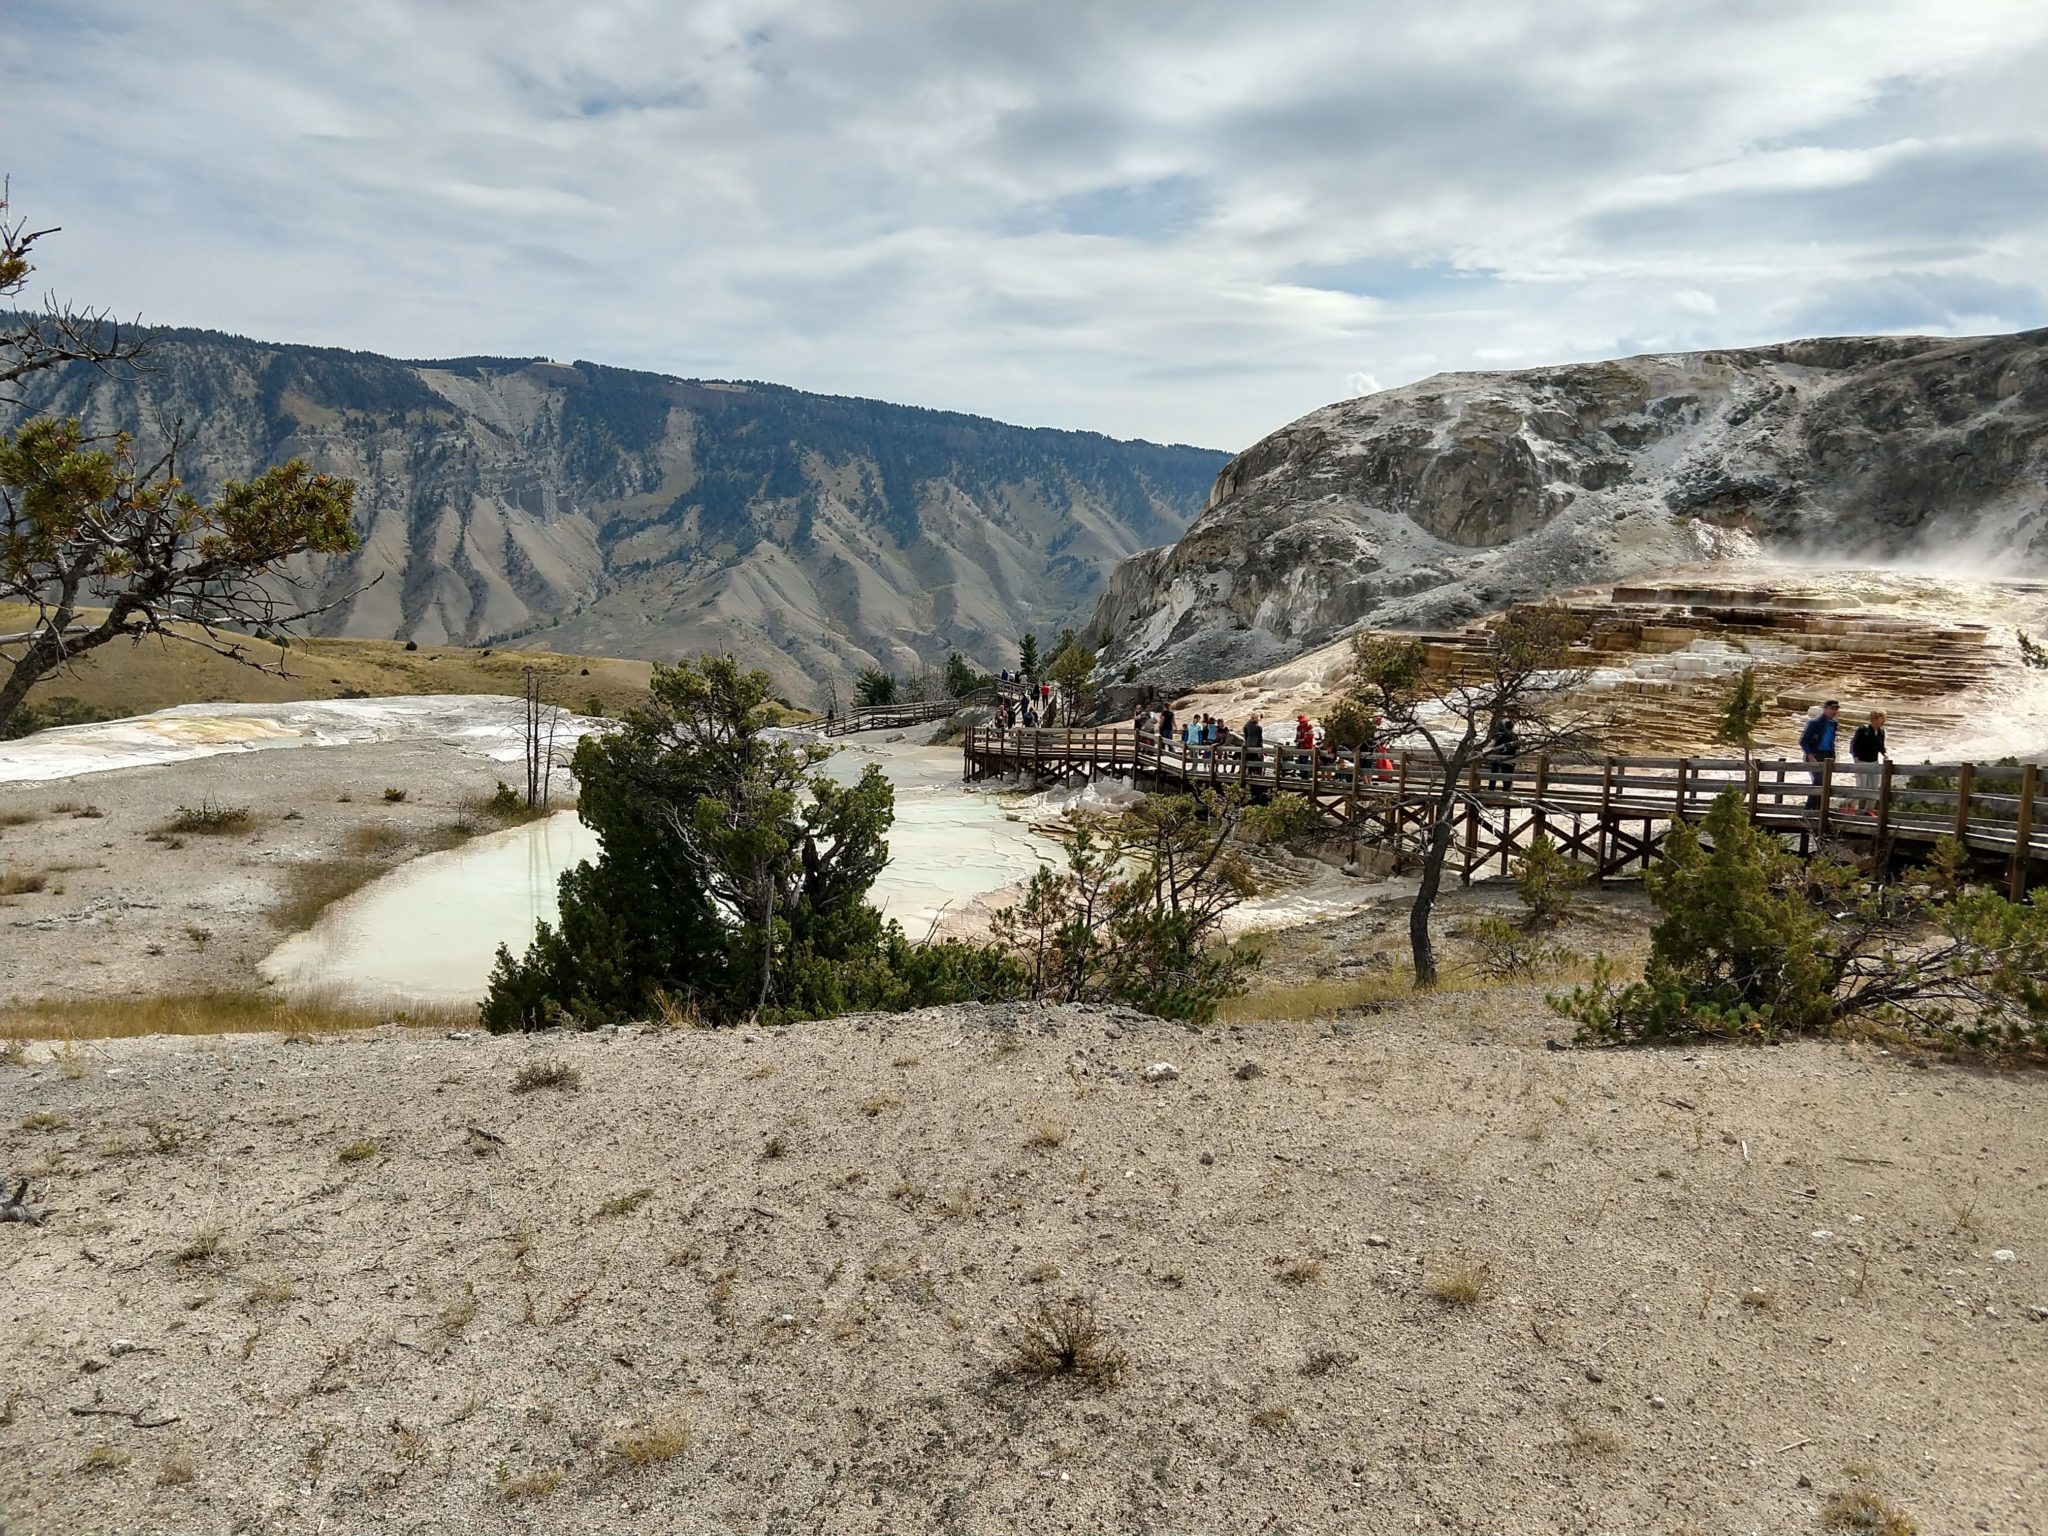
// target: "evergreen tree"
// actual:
[[874, 686], [1027, 657], [731, 872], [1742, 711]]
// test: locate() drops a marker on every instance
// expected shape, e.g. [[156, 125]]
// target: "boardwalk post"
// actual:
[[1827, 794], [1965, 781], [1755, 777], [1471, 821], [1884, 807], [1606, 843], [1351, 802], [1684, 767], [1541, 824], [2023, 833]]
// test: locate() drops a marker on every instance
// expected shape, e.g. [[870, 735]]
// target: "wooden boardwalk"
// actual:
[[1611, 814]]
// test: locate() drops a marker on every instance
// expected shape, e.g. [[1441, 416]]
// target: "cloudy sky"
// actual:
[[1179, 219]]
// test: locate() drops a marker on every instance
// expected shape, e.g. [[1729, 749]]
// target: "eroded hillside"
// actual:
[[1422, 506]]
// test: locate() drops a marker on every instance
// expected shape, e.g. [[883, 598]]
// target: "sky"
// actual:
[[1175, 219]]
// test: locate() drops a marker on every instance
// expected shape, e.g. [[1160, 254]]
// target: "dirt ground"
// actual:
[[125, 908], [1407, 1270]]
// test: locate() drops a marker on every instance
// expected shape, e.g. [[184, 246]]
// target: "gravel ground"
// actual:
[[1714, 1287]]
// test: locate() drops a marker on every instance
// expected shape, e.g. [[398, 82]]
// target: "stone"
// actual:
[[461, 1034], [1250, 1070], [1595, 1374], [2003, 1256], [1656, 1402], [1376, 1240], [1161, 1072], [1207, 1159]]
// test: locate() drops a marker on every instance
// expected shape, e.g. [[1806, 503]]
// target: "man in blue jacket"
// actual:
[[1817, 745]]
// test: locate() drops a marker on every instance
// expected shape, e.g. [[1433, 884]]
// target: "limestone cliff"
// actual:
[[1421, 506], [612, 512]]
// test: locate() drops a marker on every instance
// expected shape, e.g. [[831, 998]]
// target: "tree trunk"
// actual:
[[1434, 853]]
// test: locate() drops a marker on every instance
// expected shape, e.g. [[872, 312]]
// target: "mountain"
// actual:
[[583, 508], [1425, 505]]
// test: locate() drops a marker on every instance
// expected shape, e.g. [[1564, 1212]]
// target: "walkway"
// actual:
[[1612, 813]]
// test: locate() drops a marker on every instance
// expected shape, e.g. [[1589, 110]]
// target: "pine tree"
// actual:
[[1742, 711], [1027, 657]]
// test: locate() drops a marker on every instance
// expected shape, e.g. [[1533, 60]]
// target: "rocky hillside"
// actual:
[[611, 512], [1424, 505]]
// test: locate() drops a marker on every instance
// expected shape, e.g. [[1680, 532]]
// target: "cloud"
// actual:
[[1184, 219]]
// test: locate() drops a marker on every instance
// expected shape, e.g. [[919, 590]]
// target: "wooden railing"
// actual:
[[1990, 808], [884, 717]]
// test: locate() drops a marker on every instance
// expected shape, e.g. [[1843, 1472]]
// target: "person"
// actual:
[[1304, 746], [1503, 746], [1166, 723], [1255, 745], [1030, 716], [1141, 722], [1867, 748], [1817, 746]]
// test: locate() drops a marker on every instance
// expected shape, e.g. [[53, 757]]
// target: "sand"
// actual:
[[1718, 1285]]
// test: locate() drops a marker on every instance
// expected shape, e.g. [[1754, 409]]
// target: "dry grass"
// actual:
[[1046, 1135], [23, 882], [103, 1458], [311, 888], [202, 1246], [374, 838], [626, 1204], [878, 1105], [394, 795], [1354, 994], [1462, 1283], [649, 1445], [534, 1485], [359, 1151], [44, 1120], [1300, 1272], [548, 1072], [204, 1013], [1858, 1509], [19, 818], [1591, 1440], [1759, 1300], [177, 1471], [1064, 1339], [1273, 1418]]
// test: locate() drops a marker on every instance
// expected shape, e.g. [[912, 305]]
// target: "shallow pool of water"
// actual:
[[429, 930]]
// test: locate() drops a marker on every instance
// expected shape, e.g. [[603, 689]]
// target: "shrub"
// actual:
[[649, 1445], [1134, 917], [548, 1072], [1064, 1338], [1463, 1284], [1755, 943], [412, 645], [394, 795], [1502, 951], [1284, 819], [209, 820], [1547, 882], [1858, 1509]]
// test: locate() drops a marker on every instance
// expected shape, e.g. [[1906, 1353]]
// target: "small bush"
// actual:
[[1046, 1135], [1858, 1509], [209, 820], [412, 645], [177, 1471], [650, 1445], [1284, 819], [548, 1072], [1501, 951], [394, 795], [1064, 1338], [1299, 1272], [359, 1151], [202, 1245], [1547, 882]]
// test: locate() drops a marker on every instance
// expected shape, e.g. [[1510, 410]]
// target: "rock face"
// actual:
[[1425, 505], [611, 512]]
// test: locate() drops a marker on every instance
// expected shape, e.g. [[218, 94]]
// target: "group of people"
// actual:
[[1038, 704], [1868, 752]]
